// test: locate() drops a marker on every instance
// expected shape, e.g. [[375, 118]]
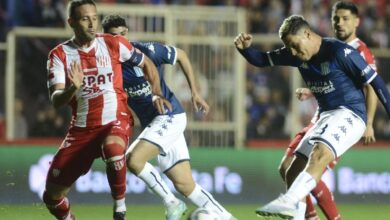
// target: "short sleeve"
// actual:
[[355, 65], [55, 69], [127, 53]]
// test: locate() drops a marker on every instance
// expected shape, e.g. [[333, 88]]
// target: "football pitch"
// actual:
[[156, 212]]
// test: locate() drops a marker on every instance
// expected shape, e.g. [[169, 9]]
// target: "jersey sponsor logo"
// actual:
[[321, 87], [347, 51], [140, 90], [325, 70], [91, 83]]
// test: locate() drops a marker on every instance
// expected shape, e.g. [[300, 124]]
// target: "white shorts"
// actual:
[[167, 133], [338, 129]]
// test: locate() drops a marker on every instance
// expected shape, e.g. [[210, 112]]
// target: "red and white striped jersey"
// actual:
[[364, 52], [101, 98]]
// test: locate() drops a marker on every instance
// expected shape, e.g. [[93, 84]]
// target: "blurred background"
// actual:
[[257, 102], [253, 111]]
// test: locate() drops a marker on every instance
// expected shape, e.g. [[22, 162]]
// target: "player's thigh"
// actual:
[[164, 130], [297, 165], [177, 153], [289, 153], [338, 129], [70, 162], [118, 133], [143, 150]]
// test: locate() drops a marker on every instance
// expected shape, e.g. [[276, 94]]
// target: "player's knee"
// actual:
[[135, 164], [50, 198], [114, 156], [184, 187]]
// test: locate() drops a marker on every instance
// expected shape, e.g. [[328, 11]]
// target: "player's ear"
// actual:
[[357, 22], [70, 22], [126, 31], [307, 33]]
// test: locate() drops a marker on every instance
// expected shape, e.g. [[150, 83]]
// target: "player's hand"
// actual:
[[243, 41], [303, 94], [76, 74], [369, 136], [162, 105], [200, 104]]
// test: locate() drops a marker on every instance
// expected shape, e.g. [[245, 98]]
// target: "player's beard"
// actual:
[[88, 36], [343, 37], [83, 36]]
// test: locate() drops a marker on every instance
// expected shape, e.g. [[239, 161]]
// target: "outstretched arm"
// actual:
[[255, 57], [198, 102], [278, 57]]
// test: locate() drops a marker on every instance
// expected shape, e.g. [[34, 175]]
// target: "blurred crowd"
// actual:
[[267, 90]]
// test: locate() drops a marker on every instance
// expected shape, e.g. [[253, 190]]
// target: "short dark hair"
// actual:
[[347, 6], [77, 3], [292, 25], [111, 21]]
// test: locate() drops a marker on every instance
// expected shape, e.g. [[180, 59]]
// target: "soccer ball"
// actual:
[[205, 214]]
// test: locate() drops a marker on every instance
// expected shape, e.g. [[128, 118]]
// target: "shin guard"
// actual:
[[116, 169]]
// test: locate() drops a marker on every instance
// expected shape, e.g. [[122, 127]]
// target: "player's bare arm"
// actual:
[[59, 95], [243, 41], [371, 104], [303, 94], [151, 75], [197, 101]]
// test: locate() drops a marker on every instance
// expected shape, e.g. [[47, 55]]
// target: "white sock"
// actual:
[[154, 181], [300, 213], [68, 217], [301, 187], [202, 198], [120, 205]]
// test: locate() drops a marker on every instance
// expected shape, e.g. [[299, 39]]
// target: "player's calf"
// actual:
[[113, 155]]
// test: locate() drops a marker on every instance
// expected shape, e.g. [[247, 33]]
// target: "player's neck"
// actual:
[[350, 39], [81, 43], [318, 41]]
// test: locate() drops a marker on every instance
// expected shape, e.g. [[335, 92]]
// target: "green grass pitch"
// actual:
[[156, 212]]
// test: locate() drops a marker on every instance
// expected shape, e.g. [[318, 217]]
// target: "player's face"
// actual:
[[85, 22], [123, 31], [344, 24], [299, 45]]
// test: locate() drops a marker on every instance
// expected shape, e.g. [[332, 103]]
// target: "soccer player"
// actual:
[[163, 134], [345, 20], [85, 72], [335, 73]]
